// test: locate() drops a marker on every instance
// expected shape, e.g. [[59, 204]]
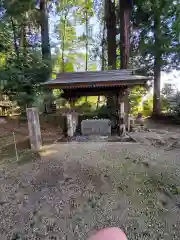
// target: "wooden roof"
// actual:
[[109, 78]]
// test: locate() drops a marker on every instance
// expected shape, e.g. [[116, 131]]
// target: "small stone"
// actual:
[[163, 202], [178, 205], [146, 164], [26, 197], [67, 179], [2, 202], [50, 228], [17, 236]]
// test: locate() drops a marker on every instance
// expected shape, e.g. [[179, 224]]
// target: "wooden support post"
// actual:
[[122, 114], [126, 107], [34, 128], [123, 102], [122, 126]]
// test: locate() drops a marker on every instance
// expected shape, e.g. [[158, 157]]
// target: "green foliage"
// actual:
[[136, 98], [147, 107], [22, 66], [104, 112], [168, 90], [86, 104], [73, 14], [156, 40], [22, 84], [67, 66], [176, 107], [169, 98], [165, 104], [66, 34], [146, 48]]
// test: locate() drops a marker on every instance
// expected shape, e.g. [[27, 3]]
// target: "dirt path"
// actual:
[[78, 188]]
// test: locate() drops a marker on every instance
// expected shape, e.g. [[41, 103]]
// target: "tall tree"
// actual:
[[110, 18], [125, 22], [23, 68], [87, 21], [66, 33], [157, 60], [84, 13], [45, 42], [98, 51], [156, 25]]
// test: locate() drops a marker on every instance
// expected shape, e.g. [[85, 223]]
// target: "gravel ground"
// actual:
[[77, 188]]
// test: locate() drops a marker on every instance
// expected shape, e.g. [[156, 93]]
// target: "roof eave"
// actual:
[[96, 84]]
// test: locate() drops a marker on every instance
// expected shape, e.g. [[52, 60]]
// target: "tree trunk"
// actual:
[[46, 51], [103, 48], [86, 67], [157, 66], [98, 101], [23, 43], [156, 97], [110, 18], [125, 22], [16, 48], [45, 43], [63, 44]]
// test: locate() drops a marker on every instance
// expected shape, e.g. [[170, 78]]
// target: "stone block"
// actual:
[[100, 127]]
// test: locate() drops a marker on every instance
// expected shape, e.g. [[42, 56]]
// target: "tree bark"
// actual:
[[103, 48], [157, 66], [110, 18], [16, 48], [98, 101], [63, 43], [125, 23], [23, 43], [63, 40], [86, 67], [45, 43], [46, 51]]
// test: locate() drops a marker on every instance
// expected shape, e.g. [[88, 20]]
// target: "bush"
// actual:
[[147, 108], [176, 104], [105, 112]]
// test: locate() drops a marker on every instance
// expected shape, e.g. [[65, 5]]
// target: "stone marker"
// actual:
[[72, 122], [100, 127], [34, 128]]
